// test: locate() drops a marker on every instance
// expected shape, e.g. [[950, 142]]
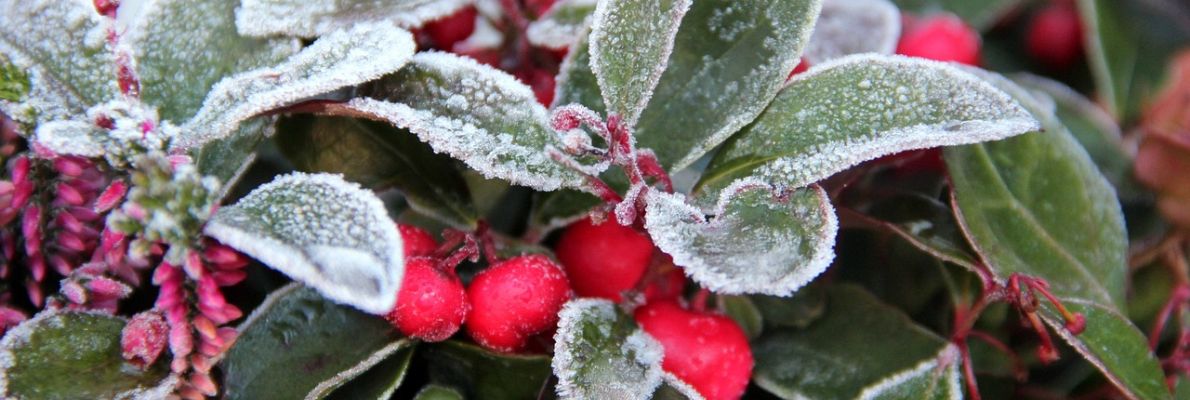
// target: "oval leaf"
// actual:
[[729, 59], [381, 380], [631, 40], [311, 18], [479, 373], [577, 83], [761, 240], [74, 355], [848, 27], [562, 25], [436, 392], [1112, 343], [673, 388], [599, 353], [861, 107], [320, 230]]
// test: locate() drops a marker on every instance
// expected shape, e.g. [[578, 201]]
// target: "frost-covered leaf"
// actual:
[[631, 40], [561, 26], [298, 344], [14, 82], [860, 107], [74, 355], [62, 46], [559, 208], [183, 48], [672, 388], [729, 60], [1036, 205], [600, 353], [577, 83], [311, 18], [379, 156], [762, 240], [229, 158], [981, 14], [478, 373], [848, 27], [320, 230], [71, 137], [337, 60], [925, 223], [472, 112], [928, 380], [860, 346], [437, 392], [380, 381]]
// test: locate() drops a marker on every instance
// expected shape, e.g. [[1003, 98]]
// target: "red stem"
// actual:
[[1176, 300]]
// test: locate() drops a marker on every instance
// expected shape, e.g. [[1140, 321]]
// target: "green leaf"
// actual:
[[228, 158], [729, 60], [577, 83], [1036, 205], [60, 45], [379, 156], [860, 346], [298, 344], [74, 355], [762, 240], [559, 208], [480, 373], [925, 223], [322, 231], [380, 381], [1129, 45], [311, 18], [562, 25], [630, 43], [14, 82], [183, 48], [848, 27], [673, 388], [340, 59], [436, 392], [797, 311], [600, 353], [744, 313], [474, 113], [858, 108], [981, 14]]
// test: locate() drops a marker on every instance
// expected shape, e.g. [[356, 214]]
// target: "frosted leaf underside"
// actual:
[[320, 230], [848, 27], [729, 59], [474, 113], [561, 26], [760, 241], [861, 107], [311, 18], [599, 353], [630, 42], [340, 59], [62, 45]]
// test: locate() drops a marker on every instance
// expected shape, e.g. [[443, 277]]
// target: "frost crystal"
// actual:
[[474, 113], [118, 130], [762, 240], [339, 59], [320, 230], [311, 18], [599, 353], [561, 25], [848, 27], [631, 42]]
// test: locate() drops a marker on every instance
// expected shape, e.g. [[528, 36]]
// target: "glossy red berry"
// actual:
[[515, 300], [667, 287], [708, 351], [454, 28], [942, 37], [432, 303], [416, 241], [1055, 36], [603, 260]]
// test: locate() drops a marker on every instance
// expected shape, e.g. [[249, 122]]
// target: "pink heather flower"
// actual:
[[144, 338], [181, 340], [71, 166], [111, 196], [10, 317]]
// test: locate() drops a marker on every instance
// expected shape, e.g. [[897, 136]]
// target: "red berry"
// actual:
[[538, 7], [604, 260], [708, 351], [668, 286], [1055, 36], [515, 300], [416, 241], [432, 303], [489, 57], [453, 28], [942, 37], [542, 83]]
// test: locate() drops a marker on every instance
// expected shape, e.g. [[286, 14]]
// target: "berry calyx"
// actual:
[[417, 242], [432, 303], [604, 260], [708, 351], [514, 300], [1055, 36], [942, 37], [452, 29]]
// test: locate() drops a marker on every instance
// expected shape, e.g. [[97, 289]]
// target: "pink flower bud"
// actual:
[[74, 292], [70, 242], [69, 222], [107, 288], [193, 265], [181, 342], [60, 264], [205, 328], [201, 363], [20, 169], [84, 214], [229, 278], [144, 338], [111, 196], [208, 349], [135, 211], [164, 273], [22, 192], [36, 296], [179, 364], [37, 267], [178, 159], [224, 257], [70, 166], [31, 228], [10, 317], [203, 383]]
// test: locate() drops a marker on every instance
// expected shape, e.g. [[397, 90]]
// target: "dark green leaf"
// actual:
[[600, 353], [228, 158], [379, 382], [577, 83], [744, 313], [798, 311], [673, 388], [435, 392], [378, 156], [480, 373], [555, 209], [630, 43], [74, 355], [926, 223], [981, 14], [1113, 345]]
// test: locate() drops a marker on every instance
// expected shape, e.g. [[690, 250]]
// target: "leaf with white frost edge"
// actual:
[[71, 137], [928, 378], [630, 44], [472, 112], [576, 83], [858, 108], [674, 388], [600, 353], [561, 26], [848, 27], [323, 231], [311, 18], [340, 59], [763, 240], [62, 45]]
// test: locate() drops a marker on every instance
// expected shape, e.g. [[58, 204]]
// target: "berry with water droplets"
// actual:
[[417, 242], [515, 300], [432, 303], [1055, 36], [942, 37], [603, 260], [708, 351]]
